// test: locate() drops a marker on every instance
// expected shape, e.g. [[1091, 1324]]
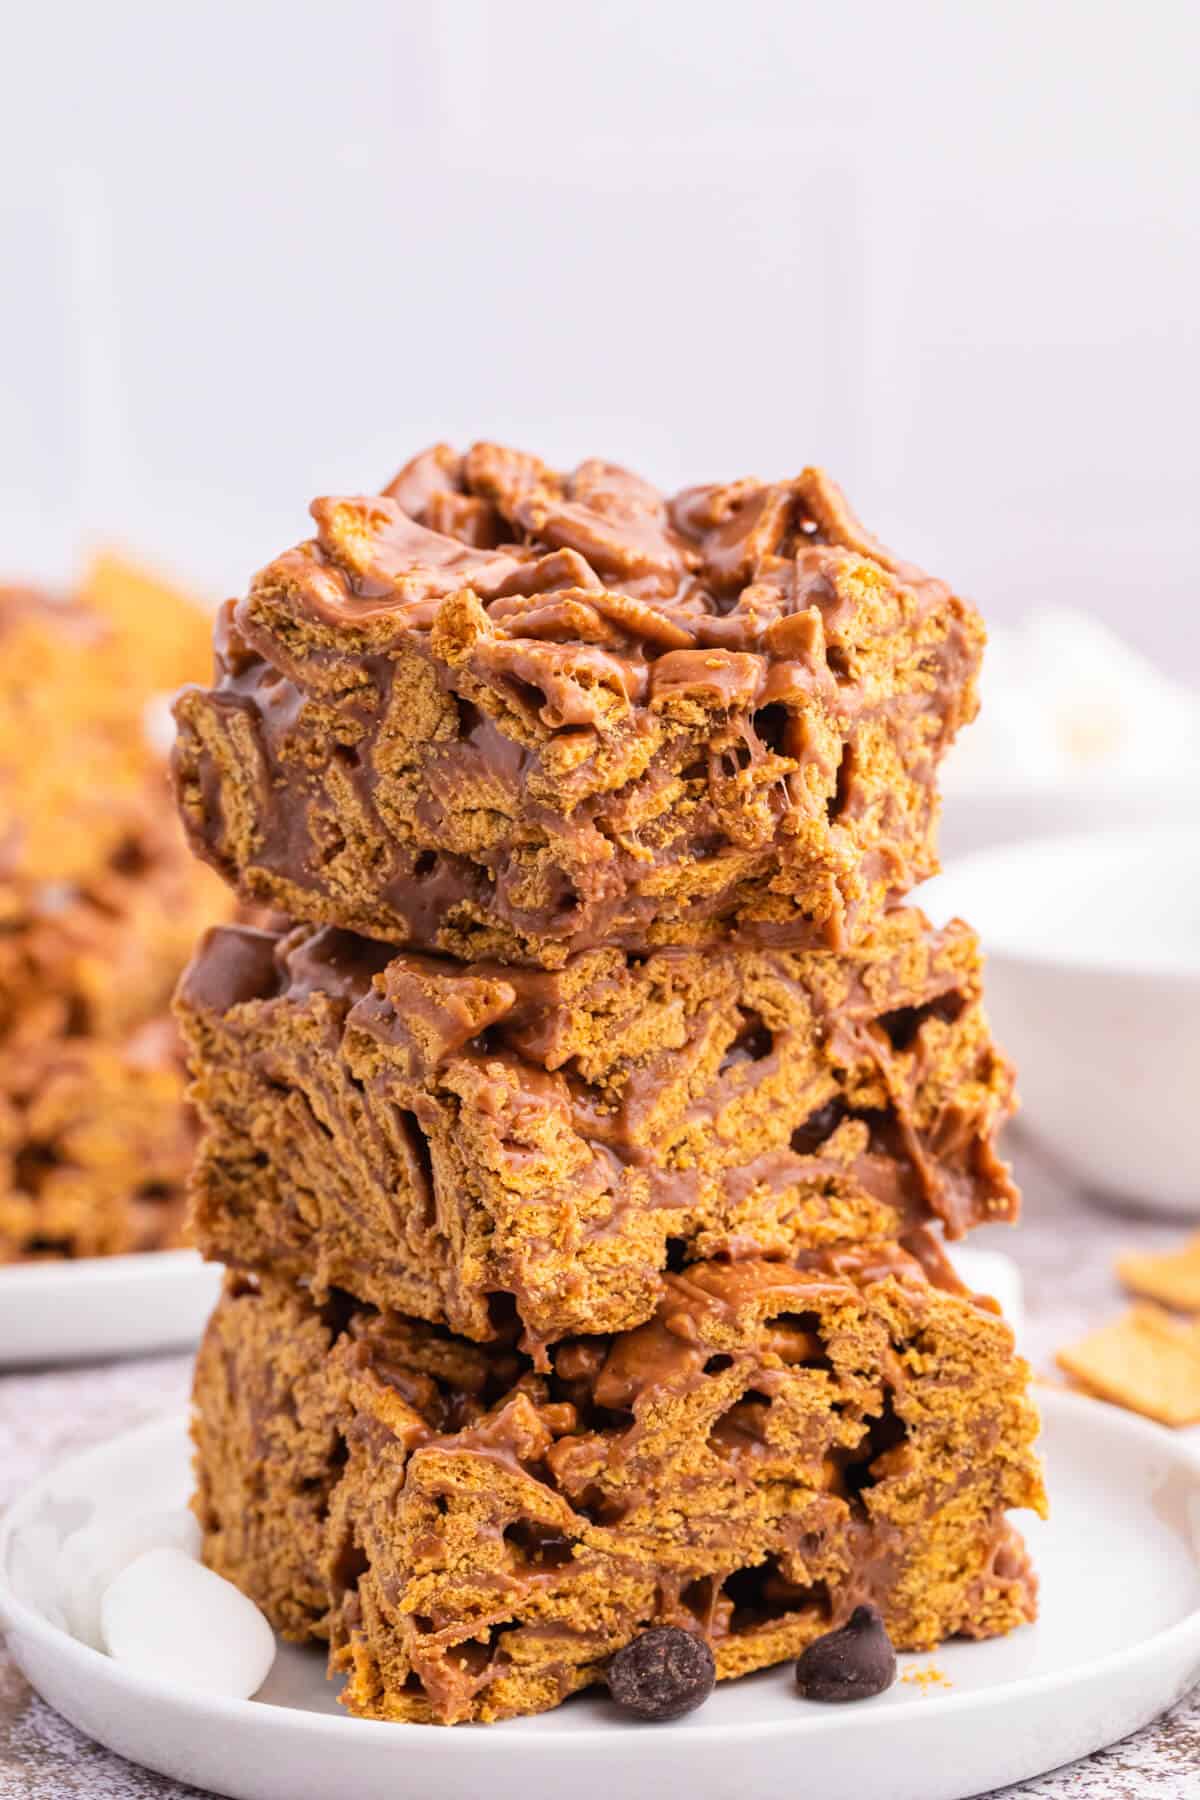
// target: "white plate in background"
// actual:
[[102, 1306], [1117, 1643]]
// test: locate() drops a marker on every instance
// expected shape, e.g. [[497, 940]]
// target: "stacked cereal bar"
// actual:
[[99, 908], [581, 1141], [498, 711]]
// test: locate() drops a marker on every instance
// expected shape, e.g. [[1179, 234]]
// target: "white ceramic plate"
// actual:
[[104, 1306], [1118, 1642]]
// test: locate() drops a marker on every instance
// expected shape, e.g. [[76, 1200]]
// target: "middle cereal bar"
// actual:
[[466, 1142]]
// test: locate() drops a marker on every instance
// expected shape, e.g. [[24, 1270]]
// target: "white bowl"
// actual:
[[1093, 986], [976, 818]]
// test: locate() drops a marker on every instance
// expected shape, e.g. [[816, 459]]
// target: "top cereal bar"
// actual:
[[501, 711]]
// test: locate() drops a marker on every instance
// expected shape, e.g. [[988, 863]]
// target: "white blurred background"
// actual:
[[258, 251], [262, 250]]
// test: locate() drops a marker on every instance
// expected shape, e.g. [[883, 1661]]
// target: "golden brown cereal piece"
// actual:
[[160, 637], [503, 711], [70, 768], [82, 785], [775, 1447], [1146, 1361], [76, 676], [927, 1679], [95, 1146], [464, 1142], [1173, 1278]]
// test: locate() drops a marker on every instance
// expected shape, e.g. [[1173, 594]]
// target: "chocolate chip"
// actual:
[[663, 1674], [851, 1664]]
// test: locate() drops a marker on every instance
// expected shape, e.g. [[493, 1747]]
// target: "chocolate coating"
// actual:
[[854, 1663], [663, 1674], [503, 711]]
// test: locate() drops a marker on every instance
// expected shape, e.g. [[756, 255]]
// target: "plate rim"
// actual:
[[64, 1311], [103, 1270], [813, 1720]]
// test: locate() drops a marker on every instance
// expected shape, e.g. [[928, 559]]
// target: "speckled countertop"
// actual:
[[1065, 1249]]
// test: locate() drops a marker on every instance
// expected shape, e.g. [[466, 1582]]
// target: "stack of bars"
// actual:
[[581, 1153], [100, 905]]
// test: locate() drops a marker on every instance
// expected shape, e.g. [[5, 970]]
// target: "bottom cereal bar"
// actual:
[[477, 1540]]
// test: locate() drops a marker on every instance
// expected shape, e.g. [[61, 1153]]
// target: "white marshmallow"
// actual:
[[171, 1618], [91, 1557], [32, 1555]]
